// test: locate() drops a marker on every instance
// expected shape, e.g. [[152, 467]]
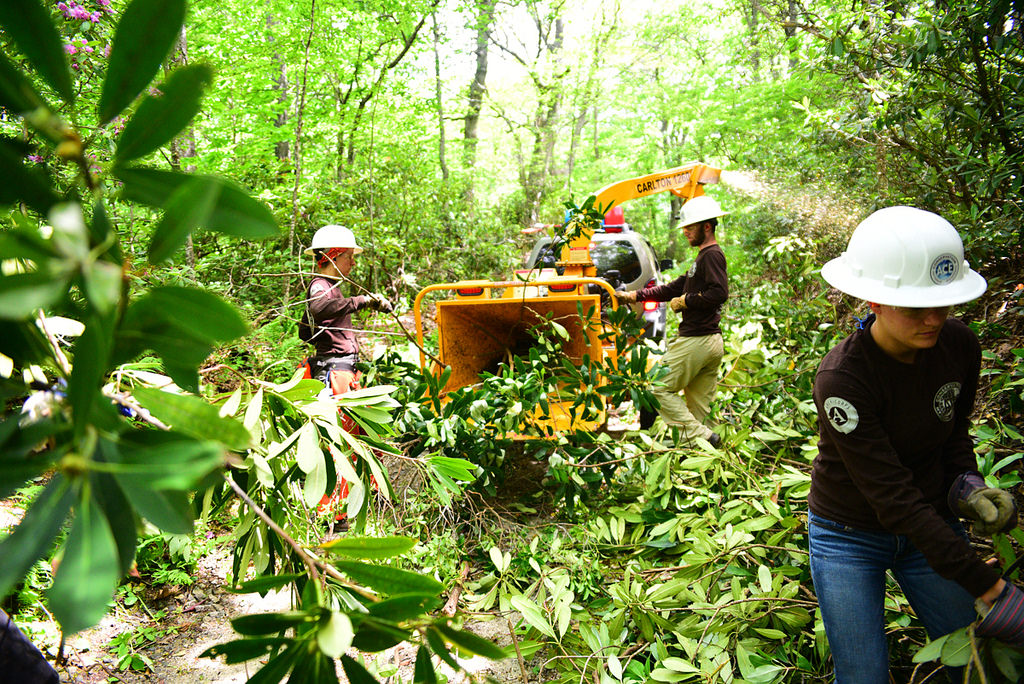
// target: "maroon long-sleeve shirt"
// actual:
[[893, 437], [705, 286]]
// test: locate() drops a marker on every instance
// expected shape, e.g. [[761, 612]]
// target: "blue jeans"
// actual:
[[848, 569]]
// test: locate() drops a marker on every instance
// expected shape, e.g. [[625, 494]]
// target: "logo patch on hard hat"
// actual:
[[842, 414], [944, 269], [945, 401]]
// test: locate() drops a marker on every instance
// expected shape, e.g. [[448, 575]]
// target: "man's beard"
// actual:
[[698, 236]]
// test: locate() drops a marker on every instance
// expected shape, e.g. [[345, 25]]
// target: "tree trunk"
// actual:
[[280, 84], [297, 153], [440, 103], [184, 146], [477, 87]]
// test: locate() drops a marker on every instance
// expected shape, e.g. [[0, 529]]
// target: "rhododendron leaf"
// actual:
[[162, 116], [144, 37], [28, 23]]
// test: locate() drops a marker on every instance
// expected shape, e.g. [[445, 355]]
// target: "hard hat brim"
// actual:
[[702, 219], [970, 286], [355, 250]]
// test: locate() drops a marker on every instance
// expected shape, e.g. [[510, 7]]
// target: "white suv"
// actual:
[[622, 257]]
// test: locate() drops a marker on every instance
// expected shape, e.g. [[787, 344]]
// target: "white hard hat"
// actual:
[[700, 208], [902, 256], [334, 236]]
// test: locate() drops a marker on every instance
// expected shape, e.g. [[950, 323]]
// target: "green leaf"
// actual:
[[423, 673], [187, 209], [88, 573], [262, 585], [16, 93], [235, 213], [24, 184], [308, 454], [270, 623], [404, 607], [956, 652], [102, 282], [467, 641], [166, 460], [245, 649], [102, 233], [370, 547], [355, 672], [161, 117], [22, 294], [335, 637], [389, 580], [373, 635], [28, 23], [144, 36], [278, 667], [92, 352], [194, 417], [437, 645], [931, 650], [169, 510], [120, 516], [533, 615], [34, 535]]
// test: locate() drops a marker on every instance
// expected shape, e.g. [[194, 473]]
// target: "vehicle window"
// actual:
[[614, 255]]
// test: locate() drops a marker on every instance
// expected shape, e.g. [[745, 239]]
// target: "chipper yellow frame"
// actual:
[[484, 322]]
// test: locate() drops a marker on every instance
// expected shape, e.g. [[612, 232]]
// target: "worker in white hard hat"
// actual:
[[327, 322], [692, 358], [327, 325], [895, 468]]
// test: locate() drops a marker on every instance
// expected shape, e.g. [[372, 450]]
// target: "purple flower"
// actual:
[[70, 49], [35, 158], [95, 17]]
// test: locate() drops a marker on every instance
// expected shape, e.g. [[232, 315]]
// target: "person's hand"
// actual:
[[1005, 619], [629, 297], [677, 304], [381, 303], [992, 510]]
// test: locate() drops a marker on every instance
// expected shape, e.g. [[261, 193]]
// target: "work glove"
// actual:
[[381, 303], [677, 304], [992, 510], [1005, 619], [624, 296]]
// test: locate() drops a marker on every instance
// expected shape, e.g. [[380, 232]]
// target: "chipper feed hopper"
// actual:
[[481, 323]]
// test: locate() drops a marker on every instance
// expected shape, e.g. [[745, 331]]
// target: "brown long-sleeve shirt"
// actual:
[[705, 286], [893, 437], [331, 313]]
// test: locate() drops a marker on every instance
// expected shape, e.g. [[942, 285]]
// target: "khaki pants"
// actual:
[[692, 364]]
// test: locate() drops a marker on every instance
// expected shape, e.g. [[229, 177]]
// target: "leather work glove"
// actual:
[[381, 303], [1005, 619], [677, 304], [992, 510], [626, 296]]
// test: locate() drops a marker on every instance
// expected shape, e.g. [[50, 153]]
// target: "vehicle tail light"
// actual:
[[613, 229], [650, 306]]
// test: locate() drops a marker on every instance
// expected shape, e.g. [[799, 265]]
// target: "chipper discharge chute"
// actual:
[[483, 322]]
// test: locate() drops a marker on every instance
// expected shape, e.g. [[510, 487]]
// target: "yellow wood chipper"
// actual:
[[482, 322]]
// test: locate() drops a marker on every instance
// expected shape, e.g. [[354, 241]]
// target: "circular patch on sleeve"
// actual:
[[945, 401], [841, 414], [944, 269], [317, 289]]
